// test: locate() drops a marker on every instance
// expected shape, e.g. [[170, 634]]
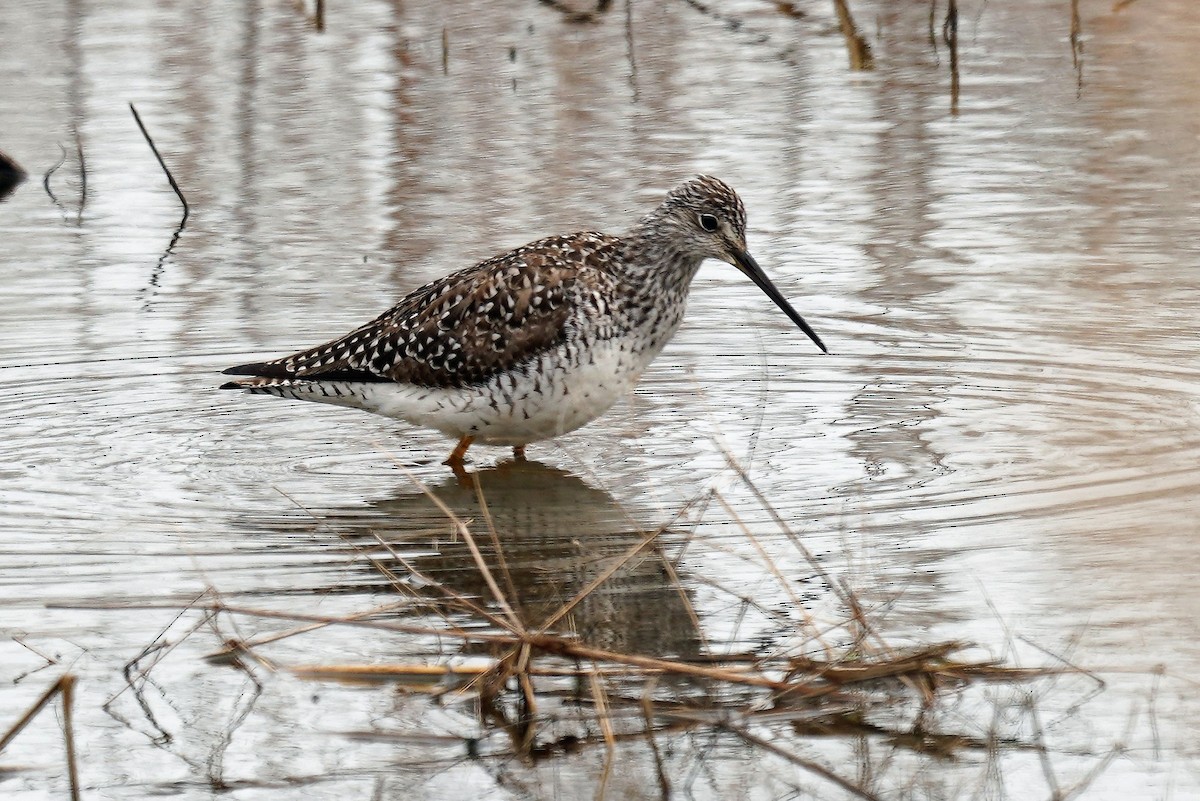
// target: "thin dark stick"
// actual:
[[163, 164], [51, 171], [320, 15], [950, 35], [633, 76], [82, 176], [932, 26], [1077, 46]]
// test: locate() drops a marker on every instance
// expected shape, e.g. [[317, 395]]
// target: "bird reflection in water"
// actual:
[[556, 534]]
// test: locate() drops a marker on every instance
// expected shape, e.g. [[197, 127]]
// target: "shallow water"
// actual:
[[1003, 447]]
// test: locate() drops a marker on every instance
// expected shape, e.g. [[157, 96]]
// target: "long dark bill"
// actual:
[[747, 264]]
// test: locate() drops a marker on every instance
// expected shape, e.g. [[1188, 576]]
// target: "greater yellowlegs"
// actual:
[[532, 343]]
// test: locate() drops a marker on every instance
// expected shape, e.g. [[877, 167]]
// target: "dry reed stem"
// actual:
[[616, 565], [45, 698], [67, 683], [664, 783], [515, 623], [604, 575], [267, 639], [769, 563], [844, 594], [64, 686], [548, 643], [610, 744], [673, 577], [434, 672], [742, 475], [399, 585], [579, 650], [378, 625], [491, 527]]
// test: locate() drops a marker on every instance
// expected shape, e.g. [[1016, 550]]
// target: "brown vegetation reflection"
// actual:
[[545, 608], [856, 46]]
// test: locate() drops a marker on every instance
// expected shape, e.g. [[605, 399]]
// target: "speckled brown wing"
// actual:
[[465, 328]]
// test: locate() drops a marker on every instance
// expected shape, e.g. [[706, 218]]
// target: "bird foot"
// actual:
[[455, 459]]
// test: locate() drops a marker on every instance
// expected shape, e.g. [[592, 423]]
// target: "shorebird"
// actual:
[[532, 343]]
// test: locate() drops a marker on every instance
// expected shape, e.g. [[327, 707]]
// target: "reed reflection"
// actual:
[[546, 537]]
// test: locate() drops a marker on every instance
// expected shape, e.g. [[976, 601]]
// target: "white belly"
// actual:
[[536, 403]]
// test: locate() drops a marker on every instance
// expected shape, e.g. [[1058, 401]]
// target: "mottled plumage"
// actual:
[[531, 343]]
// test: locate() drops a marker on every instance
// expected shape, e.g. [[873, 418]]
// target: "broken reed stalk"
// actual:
[[454, 599], [548, 643], [171, 178], [64, 687]]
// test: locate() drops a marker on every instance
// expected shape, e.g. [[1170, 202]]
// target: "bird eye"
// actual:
[[708, 222]]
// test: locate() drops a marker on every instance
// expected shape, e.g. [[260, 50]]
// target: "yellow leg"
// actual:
[[455, 460], [519, 452]]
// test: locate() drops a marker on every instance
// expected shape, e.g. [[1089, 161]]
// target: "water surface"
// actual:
[[1003, 447]]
